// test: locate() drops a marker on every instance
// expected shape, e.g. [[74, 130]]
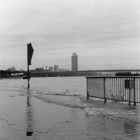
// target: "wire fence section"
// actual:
[[118, 88]]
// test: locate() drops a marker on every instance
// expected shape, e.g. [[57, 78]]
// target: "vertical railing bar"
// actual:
[[107, 85], [136, 89], [139, 90], [119, 87], [113, 88], [134, 93], [124, 88], [116, 89], [104, 91], [136, 98], [129, 92], [126, 93], [87, 89], [110, 87]]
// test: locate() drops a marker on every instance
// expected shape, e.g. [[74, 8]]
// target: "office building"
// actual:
[[74, 62], [56, 68]]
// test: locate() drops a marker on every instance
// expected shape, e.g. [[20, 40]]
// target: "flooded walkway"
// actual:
[[31, 115]]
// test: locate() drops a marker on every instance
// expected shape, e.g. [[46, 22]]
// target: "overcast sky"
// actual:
[[104, 33]]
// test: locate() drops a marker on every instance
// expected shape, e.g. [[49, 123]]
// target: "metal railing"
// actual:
[[117, 88]]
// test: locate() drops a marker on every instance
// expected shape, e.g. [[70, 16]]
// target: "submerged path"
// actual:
[[39, 115], [35, 119]]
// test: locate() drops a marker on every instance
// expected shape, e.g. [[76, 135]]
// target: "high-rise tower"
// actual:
[[74, 62]]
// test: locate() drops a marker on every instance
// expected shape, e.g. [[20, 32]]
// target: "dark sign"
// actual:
[[129, 84], [30, 51]]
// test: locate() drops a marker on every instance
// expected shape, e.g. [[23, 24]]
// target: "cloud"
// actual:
[[58, 27]]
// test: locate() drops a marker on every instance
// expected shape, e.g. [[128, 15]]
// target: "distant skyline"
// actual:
[[104, 33]]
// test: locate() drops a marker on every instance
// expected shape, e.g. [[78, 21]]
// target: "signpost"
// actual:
[[30, 51]]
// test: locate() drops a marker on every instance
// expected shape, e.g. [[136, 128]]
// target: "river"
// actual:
[[56, 108]]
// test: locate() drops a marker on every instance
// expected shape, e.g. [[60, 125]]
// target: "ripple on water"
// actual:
[[75, 101], [131, 115]]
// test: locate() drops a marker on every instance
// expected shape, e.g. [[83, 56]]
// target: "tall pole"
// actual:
[[28, 72], [30, 51], [28, 76]]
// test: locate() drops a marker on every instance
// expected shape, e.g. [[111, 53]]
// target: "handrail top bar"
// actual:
[[112, 77]]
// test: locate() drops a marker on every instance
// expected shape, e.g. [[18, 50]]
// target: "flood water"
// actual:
[[56, 108]]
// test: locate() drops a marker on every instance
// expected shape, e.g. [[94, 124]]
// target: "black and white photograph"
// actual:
[[69, 70]]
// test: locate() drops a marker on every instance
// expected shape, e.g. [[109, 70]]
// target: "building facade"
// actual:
[[56, 68], [74, 62]]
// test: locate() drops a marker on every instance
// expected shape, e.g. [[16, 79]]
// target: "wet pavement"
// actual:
[[31, 115]]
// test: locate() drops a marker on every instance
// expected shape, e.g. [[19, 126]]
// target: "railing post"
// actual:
[[87, 89], [104, 91], [134, 92], [129, 91]]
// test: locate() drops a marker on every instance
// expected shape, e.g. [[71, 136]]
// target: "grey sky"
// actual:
[[104, 33]]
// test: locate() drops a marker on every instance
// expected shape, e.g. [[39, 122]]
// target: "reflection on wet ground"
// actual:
[[29, 112], [79, 124]]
